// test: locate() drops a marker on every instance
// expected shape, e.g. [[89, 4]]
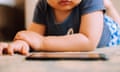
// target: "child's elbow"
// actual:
[[89, 47]]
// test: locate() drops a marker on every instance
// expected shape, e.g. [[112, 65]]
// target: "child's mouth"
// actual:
[[65, 2]]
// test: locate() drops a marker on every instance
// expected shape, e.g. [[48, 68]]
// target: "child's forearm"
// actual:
[[76, 42]]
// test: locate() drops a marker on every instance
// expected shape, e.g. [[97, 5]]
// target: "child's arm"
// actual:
[[111, 11], [86, 40]]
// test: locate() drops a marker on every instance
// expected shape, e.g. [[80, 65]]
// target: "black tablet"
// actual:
[[66, 56]]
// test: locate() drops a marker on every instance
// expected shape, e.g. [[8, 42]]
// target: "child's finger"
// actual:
[[25, 50], [10, 50], [1, 50], [2, 47]]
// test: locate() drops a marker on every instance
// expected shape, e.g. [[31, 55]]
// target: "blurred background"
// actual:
[[16, 15], [12, 18]]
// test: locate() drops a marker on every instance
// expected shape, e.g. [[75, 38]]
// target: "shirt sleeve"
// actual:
[[39, 12], [88, 6]]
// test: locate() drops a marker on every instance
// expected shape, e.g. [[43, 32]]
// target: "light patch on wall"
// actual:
[[8, 2]]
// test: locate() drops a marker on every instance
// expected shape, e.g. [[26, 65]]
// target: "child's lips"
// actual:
[[65, 2]]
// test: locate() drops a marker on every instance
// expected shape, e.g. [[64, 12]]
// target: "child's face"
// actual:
[[63, 4]]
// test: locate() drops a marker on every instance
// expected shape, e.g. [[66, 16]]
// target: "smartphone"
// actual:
[[66, 56]]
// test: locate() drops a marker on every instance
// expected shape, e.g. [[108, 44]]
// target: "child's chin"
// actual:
[[66, 8]]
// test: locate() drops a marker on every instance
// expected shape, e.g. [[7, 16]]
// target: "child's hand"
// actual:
[[32, 38], [18, 46]]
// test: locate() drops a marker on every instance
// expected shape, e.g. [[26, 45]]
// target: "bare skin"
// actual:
[[86, 40], [111, 11], [16, 46]]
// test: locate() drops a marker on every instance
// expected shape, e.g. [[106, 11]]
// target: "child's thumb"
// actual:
[[25, 50]]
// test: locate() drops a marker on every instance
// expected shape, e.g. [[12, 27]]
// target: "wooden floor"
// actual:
[[17, 63]]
